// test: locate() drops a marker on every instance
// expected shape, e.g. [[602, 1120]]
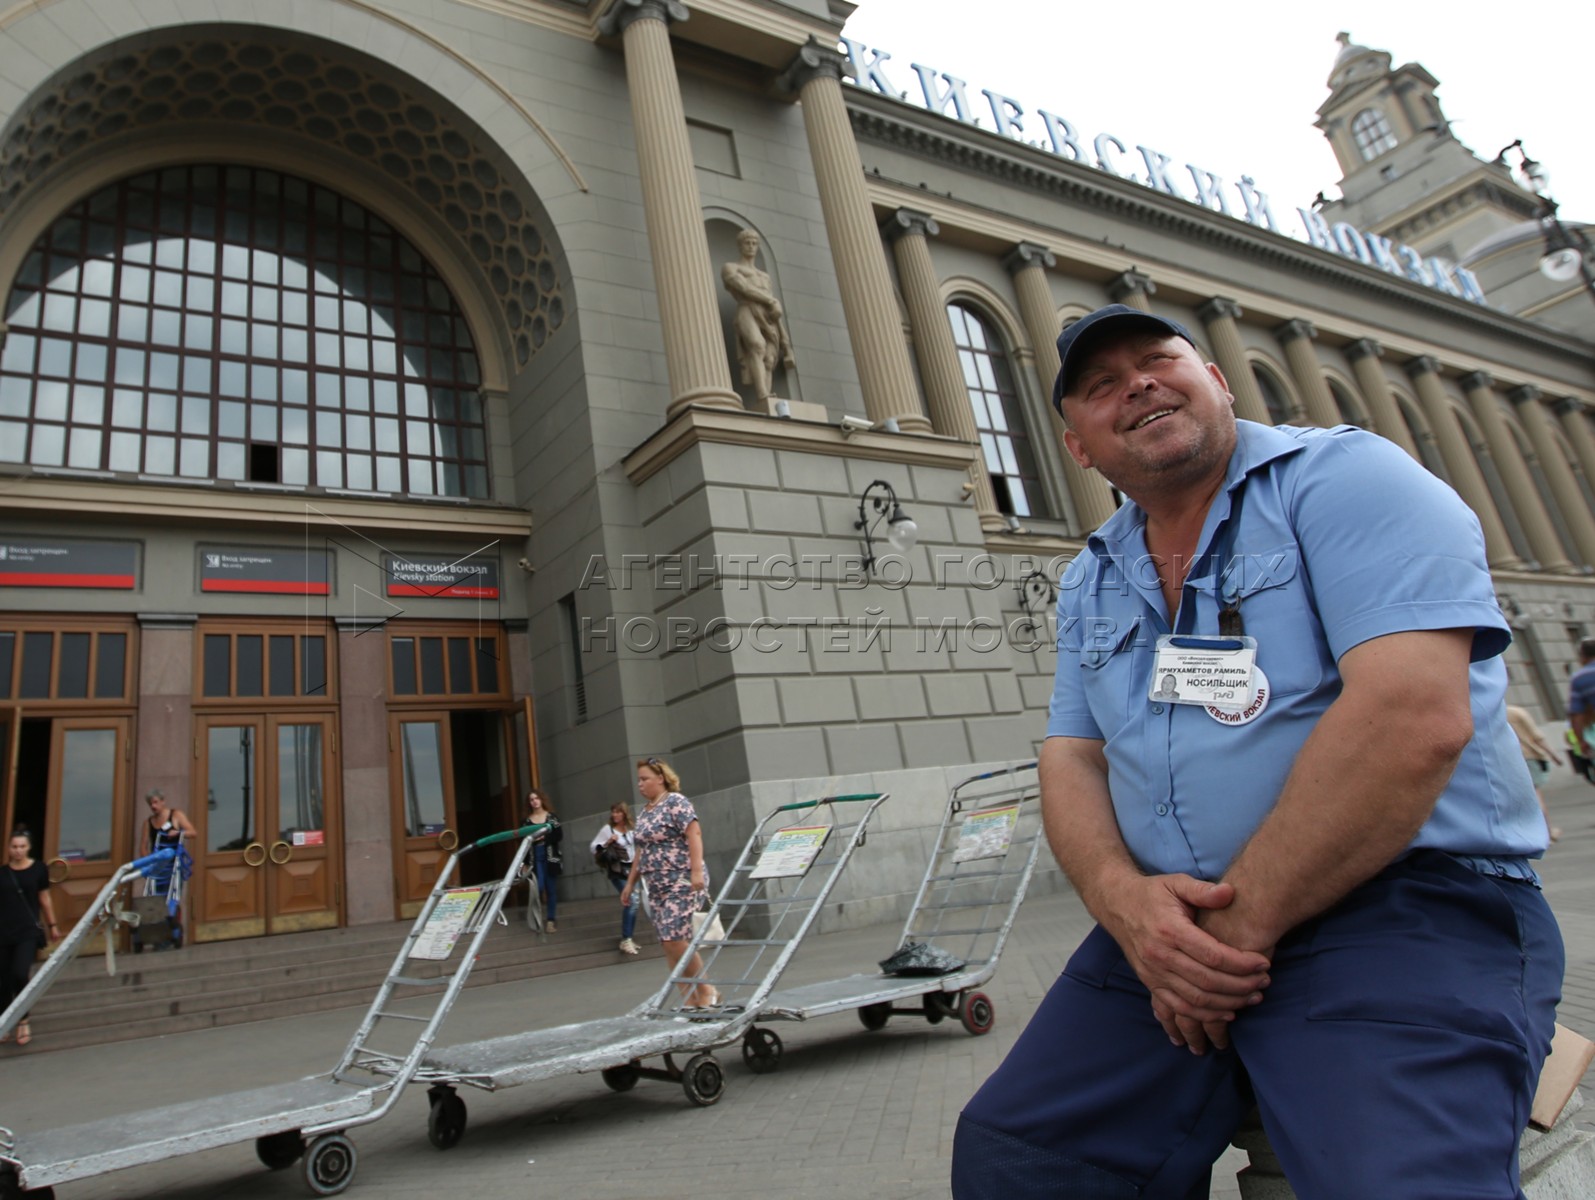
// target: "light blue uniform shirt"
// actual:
[[1342, 537]]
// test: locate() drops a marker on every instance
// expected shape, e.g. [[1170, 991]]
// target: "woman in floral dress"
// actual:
[[670, 860]]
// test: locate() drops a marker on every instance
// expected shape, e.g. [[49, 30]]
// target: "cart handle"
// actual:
[[509, 835], [831, 800], [1001, 771]]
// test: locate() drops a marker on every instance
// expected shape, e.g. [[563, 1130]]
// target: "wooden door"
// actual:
[[301, 823], [425, 825], [229, 896], [86, 825], [10, 743]]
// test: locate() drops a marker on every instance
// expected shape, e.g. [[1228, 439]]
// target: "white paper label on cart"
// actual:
[[443, 927], [791, 852], [986, 834]]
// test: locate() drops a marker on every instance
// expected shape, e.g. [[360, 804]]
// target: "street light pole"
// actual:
[[1567, 251]]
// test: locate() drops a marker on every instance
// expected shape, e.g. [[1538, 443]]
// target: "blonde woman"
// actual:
[[613, 848], [670, 859]]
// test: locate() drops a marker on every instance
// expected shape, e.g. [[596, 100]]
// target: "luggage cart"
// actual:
[[766, 906], [160, 908], [305, 1118], [978, 873]]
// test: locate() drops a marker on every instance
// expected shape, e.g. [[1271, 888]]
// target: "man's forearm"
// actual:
[[1362, 786], [1077, 813]]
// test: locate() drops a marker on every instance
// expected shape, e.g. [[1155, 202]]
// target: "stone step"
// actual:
[[227, 983]]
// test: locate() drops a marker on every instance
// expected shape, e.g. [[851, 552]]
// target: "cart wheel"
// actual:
[[445, 1122], [761, 1050], [702, 1080], [977, 1014], [10, 1189], [279, 1150], [935, 1008], [329, 1164], [875, 1016], [622, 1078]]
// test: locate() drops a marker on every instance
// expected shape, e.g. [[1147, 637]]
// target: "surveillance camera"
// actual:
[[526, 565], [852, 425]]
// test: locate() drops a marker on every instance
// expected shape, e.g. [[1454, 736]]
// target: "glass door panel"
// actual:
[[230, 884], [85, 830], [301, 878], [424, 821]]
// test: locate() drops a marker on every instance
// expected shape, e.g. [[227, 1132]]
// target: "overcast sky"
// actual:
[[1235, 89]]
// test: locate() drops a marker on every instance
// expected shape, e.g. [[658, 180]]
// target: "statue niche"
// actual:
[[760, 325]]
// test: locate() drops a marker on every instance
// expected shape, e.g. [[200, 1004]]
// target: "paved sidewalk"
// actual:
[[850, 1113]]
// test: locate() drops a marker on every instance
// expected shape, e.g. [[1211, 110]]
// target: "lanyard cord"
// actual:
[[1227, 577]]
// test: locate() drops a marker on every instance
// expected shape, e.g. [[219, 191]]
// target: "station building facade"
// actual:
[[373, 440]]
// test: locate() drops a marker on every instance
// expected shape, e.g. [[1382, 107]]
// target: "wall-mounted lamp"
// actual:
[[901, 532], [1037, 594]]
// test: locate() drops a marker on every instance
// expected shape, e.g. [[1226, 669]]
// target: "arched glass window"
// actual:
[[233, 323], [1350, 411], [1274, 398], [999, 420], [1372, 133]]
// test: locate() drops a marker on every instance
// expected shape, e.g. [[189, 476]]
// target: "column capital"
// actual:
[[1423, 364], [1476, 381], [1219, 307], [622, 13], [814, 61], [908, 221], [1029, 254], [1525, 393], [1561, 406], [1129, 282], [1296, 328], [1364, 348]]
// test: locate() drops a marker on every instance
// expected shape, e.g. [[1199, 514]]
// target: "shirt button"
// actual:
[[1162, 810], [1157, 710]]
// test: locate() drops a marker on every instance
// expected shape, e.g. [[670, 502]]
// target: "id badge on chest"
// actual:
[[1211, 671]]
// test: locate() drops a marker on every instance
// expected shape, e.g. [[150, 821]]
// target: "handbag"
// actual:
[[704, 927], [611, 857]]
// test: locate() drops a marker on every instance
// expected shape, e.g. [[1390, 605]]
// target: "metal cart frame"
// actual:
[[305, 1118], [764, 920], [963, 908]]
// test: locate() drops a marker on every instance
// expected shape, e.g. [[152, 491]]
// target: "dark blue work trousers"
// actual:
[[1395, 1054]]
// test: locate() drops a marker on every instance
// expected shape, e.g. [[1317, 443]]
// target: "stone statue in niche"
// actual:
[[762, 338]]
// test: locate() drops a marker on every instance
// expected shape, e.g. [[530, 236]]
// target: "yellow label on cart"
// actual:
[[986, 834], [447, 922]]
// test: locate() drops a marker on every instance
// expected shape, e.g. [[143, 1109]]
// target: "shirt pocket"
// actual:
[[1112, 674], [1278, 610]]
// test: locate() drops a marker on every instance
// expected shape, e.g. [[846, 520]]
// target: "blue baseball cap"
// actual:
[[1077, 339]]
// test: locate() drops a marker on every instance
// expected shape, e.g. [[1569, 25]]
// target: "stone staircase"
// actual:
[[256, 979]]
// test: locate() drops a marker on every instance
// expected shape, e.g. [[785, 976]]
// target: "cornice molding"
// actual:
[[694, 426], [146, 503]]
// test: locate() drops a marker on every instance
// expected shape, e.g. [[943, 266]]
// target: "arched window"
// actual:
[[1350, 411], [999, 420], [1274, 395], [1372, 133], [238, 324]]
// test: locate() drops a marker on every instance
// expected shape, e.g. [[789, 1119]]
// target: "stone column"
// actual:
[[943, 379], [1219, 316], [1576, 422], [1515, 474], [1536, 420], [1364, 355], [868, 304], [1028, 263], [689, 312], [1460, 464], [1297, 339], [1132, 288]]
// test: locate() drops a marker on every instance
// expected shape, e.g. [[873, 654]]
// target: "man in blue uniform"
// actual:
[[1310, 871]]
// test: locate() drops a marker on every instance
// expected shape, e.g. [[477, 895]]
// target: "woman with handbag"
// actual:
[[27, 922], [613, 847], [546, 860], [670, 861]]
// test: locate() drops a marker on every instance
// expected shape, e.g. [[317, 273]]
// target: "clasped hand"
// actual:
[[1179, 946]]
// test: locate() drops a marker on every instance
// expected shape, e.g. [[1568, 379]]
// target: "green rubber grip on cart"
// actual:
[[509, 835], [831, 800]]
